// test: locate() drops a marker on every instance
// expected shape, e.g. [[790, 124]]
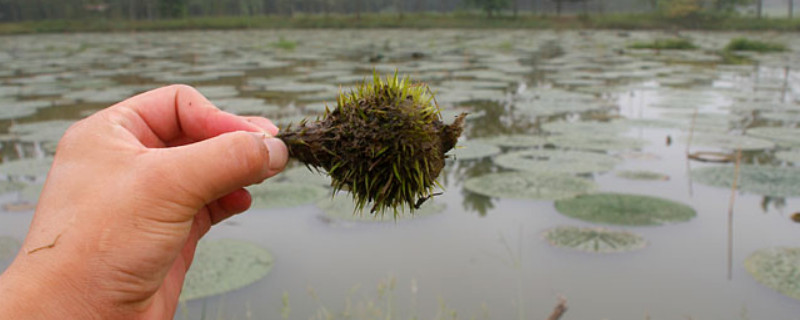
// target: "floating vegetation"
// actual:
[[271, 195], [625, 209], [776, 268], [598, 142], [8, 247], [516, 140], [587, 127], [529, 185], [784, 137], [665, 44], [384, 142], [711, 156], [744, 44], [9, 186], [473, 150], [341, 208], [225, 265], [246, 106], [557, 161], [595, 240], [301, 174], [642, 175], [26, 167], [762, 180], [730, 142]]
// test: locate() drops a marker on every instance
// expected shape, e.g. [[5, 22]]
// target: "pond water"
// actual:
[[553, 114]]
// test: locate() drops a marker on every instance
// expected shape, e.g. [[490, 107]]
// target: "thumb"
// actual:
[[207, 170]]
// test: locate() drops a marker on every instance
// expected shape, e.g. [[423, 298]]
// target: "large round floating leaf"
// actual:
[[516, 140], [26, 167], [589, 127], [600, 142], [785, 137], [341, 207], [642, 175], [473, 150], [529, 185], [777, 268], [792, 156], [559, 161], [596, 240], [285, 194], [225, 265], [625, 209], [767, 181], [730, 142]]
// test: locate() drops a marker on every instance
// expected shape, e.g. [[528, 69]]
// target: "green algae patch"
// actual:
[[625, 209], [559, 161], [594, 240], [285, 194], [776, 268], [225, 265], [343, 209], [529, 185], [762, 180]]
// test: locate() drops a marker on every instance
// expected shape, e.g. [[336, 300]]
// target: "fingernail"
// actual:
[[278, 153]]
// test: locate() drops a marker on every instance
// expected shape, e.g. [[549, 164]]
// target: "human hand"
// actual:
[[131, 191]]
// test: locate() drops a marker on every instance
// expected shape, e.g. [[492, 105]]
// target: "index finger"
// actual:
[[181, 112]]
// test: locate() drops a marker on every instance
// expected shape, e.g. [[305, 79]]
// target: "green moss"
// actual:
[[625, 209], [745, 44], [665, 44]]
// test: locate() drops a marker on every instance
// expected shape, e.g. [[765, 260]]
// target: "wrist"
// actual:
[[28, 292]]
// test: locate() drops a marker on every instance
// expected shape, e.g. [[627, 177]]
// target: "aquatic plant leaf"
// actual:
[[9, 186], [342, 208], [762, 180], [557, 161], [595, 240], [285, 194], [730, 142], [587, 127], [785, 137], [26, 167], [225, 265], [625, 209], [529, 185], [473, 150], [8, 247], [792, 156], [515, 140], [777, 268], [642, 175], [596, 142]]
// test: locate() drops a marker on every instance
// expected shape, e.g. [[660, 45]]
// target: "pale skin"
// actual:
[[131, 191]]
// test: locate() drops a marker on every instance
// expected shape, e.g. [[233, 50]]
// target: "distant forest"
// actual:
[[25, 10]]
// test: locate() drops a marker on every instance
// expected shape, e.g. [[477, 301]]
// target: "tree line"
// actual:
[[24, 10]]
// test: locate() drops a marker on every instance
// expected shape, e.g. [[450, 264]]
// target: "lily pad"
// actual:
[[596, 142], [473, 150], [225, 265], [516, 140], [642, 175], [285, 194], [625, 209], [8, 247], [730, 142], [10, 186], [593, 127], [557, 161], [249, 106], [595, 240], [762, 180], [26, 167], [529, 185], [777, 268], [785, 137], [792, 156], [341, 207]]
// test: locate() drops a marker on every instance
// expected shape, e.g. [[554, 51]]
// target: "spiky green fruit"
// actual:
[[385, 142]]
